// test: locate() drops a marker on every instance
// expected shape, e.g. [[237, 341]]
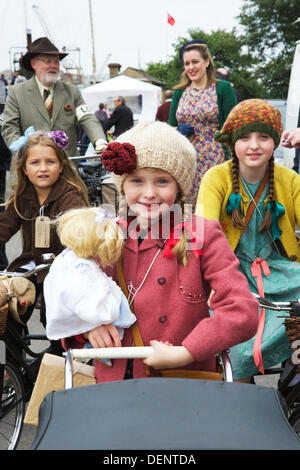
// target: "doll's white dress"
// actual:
[[79, 296]]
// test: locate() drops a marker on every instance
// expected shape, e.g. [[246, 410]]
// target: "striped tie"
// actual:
[[48, 102]]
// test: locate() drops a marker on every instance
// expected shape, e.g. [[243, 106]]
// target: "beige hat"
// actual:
[[152, 145]]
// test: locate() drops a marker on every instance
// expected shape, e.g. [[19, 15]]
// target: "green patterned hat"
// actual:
[[252, 115]]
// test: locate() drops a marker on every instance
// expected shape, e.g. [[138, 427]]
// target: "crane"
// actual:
[[103, 65], [72, 64]]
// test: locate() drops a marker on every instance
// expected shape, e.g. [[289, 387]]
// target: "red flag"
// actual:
[[171, 20]]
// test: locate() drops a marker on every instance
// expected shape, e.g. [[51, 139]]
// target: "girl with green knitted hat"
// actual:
[[258, 204]]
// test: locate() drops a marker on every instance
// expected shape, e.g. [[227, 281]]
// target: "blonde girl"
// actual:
[[79, 295], [46, 186], [170, 262]]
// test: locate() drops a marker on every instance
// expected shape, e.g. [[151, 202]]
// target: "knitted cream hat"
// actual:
[[152, 145], [252, 115]]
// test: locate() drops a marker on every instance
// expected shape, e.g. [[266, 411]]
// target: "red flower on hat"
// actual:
[[119, 158]]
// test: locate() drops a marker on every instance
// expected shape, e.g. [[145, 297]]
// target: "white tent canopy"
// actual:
[[143, 97], [293, 104]]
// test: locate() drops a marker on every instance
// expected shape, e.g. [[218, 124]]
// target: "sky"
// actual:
[[129, 32]]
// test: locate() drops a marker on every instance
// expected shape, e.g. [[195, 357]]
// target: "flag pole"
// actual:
[[167, 42], [93, 44], [170, 21]]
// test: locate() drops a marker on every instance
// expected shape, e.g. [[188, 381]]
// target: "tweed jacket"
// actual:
[[172, 302], [216, 187], [63, 196], [25, 107]]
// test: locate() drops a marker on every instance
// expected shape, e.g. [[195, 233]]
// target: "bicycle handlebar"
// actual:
[[141, 352], [134, 352], [85, 157]]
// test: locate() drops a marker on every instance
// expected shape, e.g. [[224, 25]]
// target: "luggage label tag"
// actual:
[[42, 230]]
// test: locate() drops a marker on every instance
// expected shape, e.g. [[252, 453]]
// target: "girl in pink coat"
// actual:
[[171, 262]]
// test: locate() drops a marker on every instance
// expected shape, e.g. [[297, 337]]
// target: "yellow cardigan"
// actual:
[[216, 187]]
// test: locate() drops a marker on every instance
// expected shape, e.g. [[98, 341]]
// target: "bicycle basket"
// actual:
[[3, 318], [292, 329]]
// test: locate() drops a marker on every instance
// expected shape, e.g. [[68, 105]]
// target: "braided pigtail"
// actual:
[[123, 207], [266, 223], [237, 219]]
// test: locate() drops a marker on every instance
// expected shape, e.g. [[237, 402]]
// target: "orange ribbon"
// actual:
[[256, 267]]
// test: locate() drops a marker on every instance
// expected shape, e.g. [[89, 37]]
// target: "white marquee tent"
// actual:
[[143, 98], [293, 104]]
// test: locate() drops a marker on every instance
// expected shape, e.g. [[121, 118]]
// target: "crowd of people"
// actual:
[[206, 218]]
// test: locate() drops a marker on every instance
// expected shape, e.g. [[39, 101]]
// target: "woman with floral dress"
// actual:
[[199, 108]]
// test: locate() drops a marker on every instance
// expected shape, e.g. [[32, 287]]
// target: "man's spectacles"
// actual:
[[48, 61]]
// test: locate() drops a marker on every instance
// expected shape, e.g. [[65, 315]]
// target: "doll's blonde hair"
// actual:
[[79, 230]]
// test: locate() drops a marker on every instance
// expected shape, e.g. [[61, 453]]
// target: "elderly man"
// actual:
[[47, 103], [121, 118]]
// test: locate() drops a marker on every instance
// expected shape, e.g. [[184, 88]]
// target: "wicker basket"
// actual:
[[3, 318]]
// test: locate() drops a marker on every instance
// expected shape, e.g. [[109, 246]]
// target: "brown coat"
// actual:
[[63, 196]]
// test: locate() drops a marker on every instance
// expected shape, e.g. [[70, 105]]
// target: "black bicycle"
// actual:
[[19, 366]]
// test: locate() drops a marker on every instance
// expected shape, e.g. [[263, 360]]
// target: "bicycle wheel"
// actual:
[[12, 408], [294, 420]]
